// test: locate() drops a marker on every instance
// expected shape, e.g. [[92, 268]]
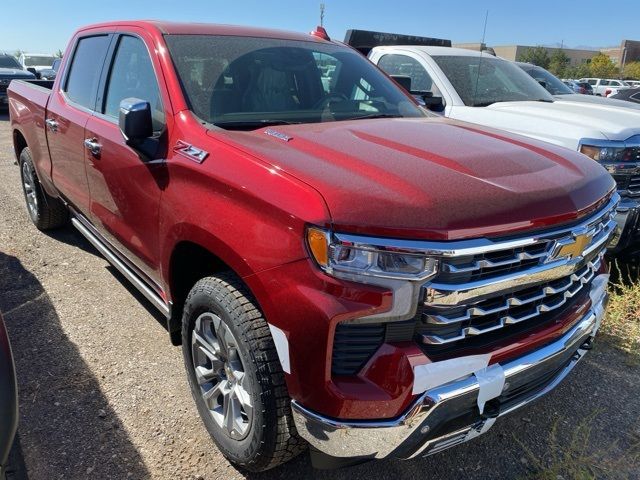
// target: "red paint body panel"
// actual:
[[249, 202]]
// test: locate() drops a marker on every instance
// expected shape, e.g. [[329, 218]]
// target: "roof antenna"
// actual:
[[484, 32], [320, 32]]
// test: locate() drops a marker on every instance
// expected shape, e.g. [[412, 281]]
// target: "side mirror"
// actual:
[[431, 102], [34, 71], [135, 121], [404, 81]]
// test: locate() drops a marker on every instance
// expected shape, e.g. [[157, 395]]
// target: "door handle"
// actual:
[[52, 124], [93, 146]]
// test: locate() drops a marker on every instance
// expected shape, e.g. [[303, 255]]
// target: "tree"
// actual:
[[559, 63], [58, 53], [602, 66], [579, 71], [536, 55], [17, 53], [632, 70]]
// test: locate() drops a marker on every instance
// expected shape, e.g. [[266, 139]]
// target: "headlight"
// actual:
[[346, 259], [611, 151]]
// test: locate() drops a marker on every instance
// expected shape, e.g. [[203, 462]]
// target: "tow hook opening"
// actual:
[[588, 344], [491, 409]]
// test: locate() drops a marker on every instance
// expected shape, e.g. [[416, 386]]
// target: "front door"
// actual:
[[125, 188]]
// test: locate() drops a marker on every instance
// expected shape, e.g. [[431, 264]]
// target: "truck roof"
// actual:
[[440, 51], [186, 28]]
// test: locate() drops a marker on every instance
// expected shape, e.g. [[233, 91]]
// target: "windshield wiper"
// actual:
[[375, 115], [253, 124], [483, 104]]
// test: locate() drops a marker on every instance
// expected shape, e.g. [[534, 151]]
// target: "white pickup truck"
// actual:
[[605, 87], [490, 91]]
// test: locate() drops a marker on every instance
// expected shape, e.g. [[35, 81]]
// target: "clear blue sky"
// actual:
[[45, 26]]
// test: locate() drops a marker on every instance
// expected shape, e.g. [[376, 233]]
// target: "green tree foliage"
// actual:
[[632, 70], [558, 63], [602, 67], [579, 71], [58, 53], [536, 55]]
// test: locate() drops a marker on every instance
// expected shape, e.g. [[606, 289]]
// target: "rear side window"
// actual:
[[86, 66], [132, 76]]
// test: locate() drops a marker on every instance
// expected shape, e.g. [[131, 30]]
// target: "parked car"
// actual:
[[605, 87], [50, 73], [480, 88], [336, 262], [8, 403], [10, 69], [582, 88], [633, 83], [556, 87], [629, 95], [36, 62]]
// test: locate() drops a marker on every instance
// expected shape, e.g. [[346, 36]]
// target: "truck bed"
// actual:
[[27, 105]]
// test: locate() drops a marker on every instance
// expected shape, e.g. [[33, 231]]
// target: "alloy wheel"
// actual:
[[221, 376]]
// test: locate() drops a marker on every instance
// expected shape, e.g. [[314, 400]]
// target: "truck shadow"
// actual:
[[67, 428]]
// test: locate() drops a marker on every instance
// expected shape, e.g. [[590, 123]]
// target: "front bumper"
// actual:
[[627, 218], [448, 414]]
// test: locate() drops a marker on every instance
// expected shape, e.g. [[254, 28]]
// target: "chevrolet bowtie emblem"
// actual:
[[574, 248]]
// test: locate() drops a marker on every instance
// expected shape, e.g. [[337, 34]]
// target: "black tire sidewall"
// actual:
[[242, 451], [25, 158]]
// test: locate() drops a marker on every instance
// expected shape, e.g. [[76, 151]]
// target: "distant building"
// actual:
[[515, 52], [627, 52]]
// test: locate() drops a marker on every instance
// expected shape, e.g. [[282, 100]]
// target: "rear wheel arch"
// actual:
[[19, 143]]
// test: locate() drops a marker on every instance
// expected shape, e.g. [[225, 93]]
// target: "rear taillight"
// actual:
[[607, 92]]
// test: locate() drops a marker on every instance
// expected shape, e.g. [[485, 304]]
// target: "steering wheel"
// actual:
[[326, 100]]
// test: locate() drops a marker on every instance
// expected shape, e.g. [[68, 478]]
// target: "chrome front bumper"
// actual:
[[448, 415], [627, 218]]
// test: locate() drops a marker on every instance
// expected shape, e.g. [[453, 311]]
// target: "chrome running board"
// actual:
[[130, 275]]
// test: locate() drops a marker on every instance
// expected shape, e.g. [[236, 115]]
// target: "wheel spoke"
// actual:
[[244, 398], [205, 375], [211, 396]]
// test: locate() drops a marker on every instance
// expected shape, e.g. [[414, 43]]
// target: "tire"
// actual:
[[15, 468], [257, 433], [45, 211]]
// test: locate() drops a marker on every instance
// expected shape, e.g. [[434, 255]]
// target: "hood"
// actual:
[[430, 178], [596, 100], [560, 122], [15, 73]]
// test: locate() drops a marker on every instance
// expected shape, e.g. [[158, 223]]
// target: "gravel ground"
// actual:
[[103, 393]]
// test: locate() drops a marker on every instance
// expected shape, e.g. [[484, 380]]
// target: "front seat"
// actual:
[[268, 91]]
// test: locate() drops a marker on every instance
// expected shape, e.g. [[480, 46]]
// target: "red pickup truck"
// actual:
[[341, 268]]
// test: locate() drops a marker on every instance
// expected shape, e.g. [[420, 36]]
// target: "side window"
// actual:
[[395, 64], [592, 82], [84, 72], [132, 76], [604, 82]]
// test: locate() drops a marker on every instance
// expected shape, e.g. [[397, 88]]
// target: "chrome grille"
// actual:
[[521, 258], [634, 185], [453, 325]]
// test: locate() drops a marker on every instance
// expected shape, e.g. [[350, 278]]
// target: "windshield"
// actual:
[[553, 84], [33, 61], [248, 82], [7, 61], [481, 81]]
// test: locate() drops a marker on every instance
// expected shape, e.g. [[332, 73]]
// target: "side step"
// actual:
[[149, 294]]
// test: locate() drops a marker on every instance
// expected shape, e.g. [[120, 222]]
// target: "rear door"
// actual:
[[125, 188], [70, 107]]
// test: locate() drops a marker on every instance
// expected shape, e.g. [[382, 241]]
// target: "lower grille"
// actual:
[[353, 345]]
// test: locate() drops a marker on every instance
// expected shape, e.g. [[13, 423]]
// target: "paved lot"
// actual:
[[103, 394]]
